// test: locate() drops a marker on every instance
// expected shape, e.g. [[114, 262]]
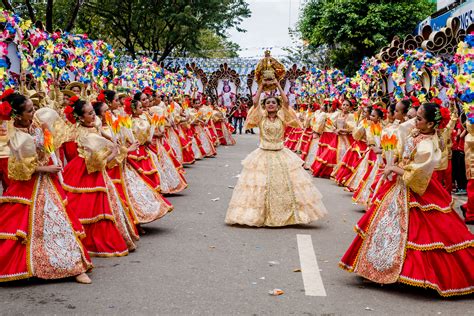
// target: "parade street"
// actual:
[[190, 262]]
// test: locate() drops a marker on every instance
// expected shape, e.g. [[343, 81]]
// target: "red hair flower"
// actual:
[[415, 102], [445, 117], [127, 106], [6, 93], [5, 110], [147, 91], [69, 112], [73, 100], [437, 101], [101, 96]]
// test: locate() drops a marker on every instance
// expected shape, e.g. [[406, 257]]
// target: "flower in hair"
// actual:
[[101, 96], [128, 106], [5, 111], [73, 100], [7, 93], [444, 117], [69, 112]]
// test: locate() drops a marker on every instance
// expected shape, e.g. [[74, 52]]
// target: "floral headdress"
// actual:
[[6, 111], [71, 116], [442, 117]]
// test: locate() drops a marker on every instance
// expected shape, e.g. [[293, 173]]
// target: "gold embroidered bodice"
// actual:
[[271, 131]]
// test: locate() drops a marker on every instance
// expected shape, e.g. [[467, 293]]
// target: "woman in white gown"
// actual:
[[273, 188]]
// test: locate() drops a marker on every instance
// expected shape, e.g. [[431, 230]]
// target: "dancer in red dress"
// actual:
[[411, 234], [334, 142], [39, 235], [90, 191], [346, 167]]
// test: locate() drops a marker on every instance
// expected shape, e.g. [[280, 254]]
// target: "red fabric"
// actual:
[[458, 142], [15, 218], [115, 173], [349, 162], [210, 128], [4, 173], [220, 126], [326, 156], [305, 142], [446, 177], [293, 137], [102, 236], [141, 161], [70, 150], [427, 225], [470, 201], [188, 155]]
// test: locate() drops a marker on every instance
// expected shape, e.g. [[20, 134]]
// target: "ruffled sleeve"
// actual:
[[319, 123], [254, 117], [418, 172], [359, 132], [24, 158], [350, 122], [94, 149], [289, 117]]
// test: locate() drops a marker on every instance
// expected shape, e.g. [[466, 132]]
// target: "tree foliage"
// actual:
[[357, 28], [158, 28], [162, 27]]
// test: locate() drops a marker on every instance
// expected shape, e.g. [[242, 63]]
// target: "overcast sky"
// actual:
[[267, 27]]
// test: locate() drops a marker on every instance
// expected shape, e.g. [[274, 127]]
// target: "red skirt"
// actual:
[[305, 142], [347, 166], [364, 165], [293, 138], [171, 179], [70, 150], [224, 134], [92, 198], [424, 244], [326, 156], [34, 221], [142, 162], [185, 141]]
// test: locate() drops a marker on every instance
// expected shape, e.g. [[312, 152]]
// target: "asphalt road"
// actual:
[[190, 262]]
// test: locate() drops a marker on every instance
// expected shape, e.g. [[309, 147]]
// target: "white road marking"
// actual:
[[313, 283]]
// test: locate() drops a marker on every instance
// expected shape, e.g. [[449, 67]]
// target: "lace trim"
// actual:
[[150, 172], [324, 162], [431, 207], [83, 190], [139, 158], [328, 146], [14, 236], [440, 245], [108, 254], [97, 219], [15, 199], [428, 284], [14, 277]]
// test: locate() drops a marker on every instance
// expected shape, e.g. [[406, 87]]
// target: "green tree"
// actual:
[[158, 28], [357, 28], [57, 14], [162, 28]]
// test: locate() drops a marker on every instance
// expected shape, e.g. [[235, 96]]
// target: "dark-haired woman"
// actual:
[[273, 188], [143, 159], [397, 115], [411, 234], [143, 202], [38, 236], [344, 170], [335, 140], [366, 162], [91, 192], [362, 193]]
